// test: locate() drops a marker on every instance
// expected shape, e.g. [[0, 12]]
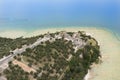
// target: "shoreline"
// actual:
[[12, 33], [110, 48]]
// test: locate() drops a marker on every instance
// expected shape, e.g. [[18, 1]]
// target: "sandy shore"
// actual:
[[12, 33], [110, 50]]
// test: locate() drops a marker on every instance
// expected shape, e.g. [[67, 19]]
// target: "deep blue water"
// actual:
[[37, 14]]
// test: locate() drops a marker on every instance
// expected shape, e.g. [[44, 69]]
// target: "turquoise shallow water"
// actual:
[[30, 15], [38, 14]]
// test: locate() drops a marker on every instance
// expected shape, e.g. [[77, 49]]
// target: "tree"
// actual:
[[29, 50]]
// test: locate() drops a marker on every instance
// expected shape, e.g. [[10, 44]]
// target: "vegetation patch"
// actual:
[[65, 56]]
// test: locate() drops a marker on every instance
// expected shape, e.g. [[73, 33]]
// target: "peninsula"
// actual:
[[52, 56]]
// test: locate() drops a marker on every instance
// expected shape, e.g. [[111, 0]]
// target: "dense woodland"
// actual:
[[51, 59], [7, 44]]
